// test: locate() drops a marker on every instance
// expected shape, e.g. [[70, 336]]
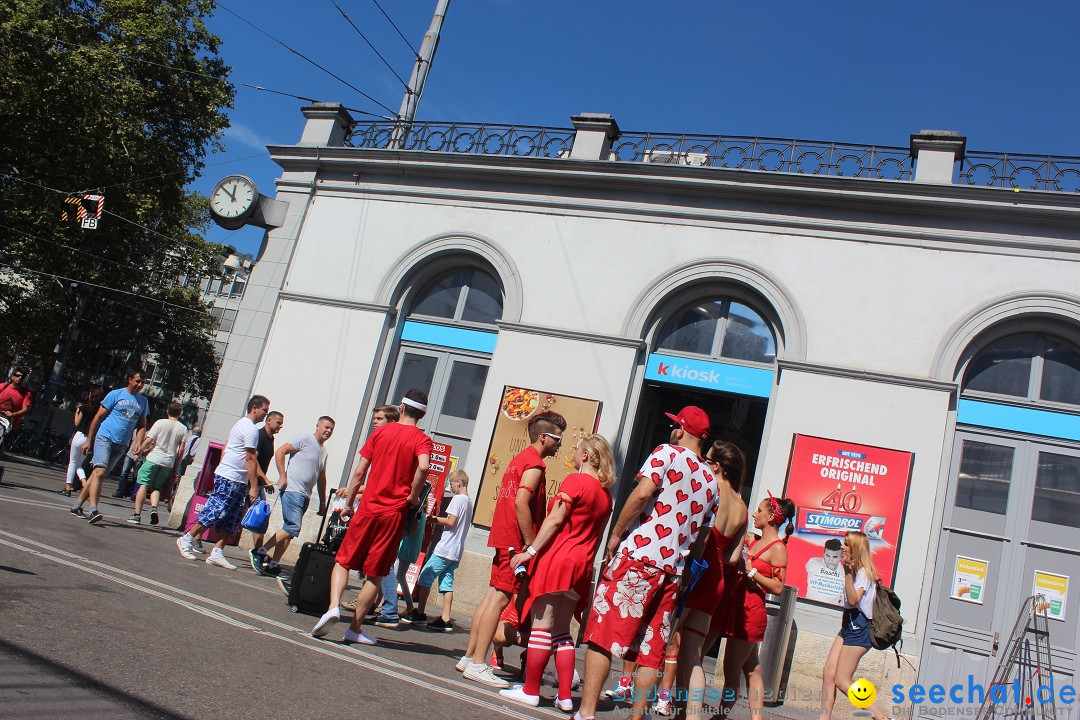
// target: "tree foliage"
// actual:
[[125, 98]]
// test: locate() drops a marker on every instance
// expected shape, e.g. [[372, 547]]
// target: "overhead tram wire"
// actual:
[[20, 269], [208, 75], [373, 49], [415, 52], [305, 57]]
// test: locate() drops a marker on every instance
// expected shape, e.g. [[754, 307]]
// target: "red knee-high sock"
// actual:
[[564, 663], [536, 660]]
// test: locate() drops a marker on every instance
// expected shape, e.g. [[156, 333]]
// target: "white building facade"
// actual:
[[899, 298]]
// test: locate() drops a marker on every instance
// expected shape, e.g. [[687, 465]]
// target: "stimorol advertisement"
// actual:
[[839, 486]]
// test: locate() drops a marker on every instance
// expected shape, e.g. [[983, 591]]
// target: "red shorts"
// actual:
[[632, 611], [371, 543], [502, 575]]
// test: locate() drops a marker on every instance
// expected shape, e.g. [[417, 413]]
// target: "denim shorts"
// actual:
[[108, 454], [440, 568], [855, 628], [293, 507]]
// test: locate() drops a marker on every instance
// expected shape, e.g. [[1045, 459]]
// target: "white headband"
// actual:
[[412, 403]]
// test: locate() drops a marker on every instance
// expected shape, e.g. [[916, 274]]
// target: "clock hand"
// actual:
[[233, 193]]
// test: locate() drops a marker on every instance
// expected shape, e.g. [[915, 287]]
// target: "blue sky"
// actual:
[[1002, 73]]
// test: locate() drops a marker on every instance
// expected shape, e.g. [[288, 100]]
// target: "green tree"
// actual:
[[124, 98]]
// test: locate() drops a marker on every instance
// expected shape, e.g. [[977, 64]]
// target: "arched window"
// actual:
[[1031, 366], [721, 328], [468, 295]]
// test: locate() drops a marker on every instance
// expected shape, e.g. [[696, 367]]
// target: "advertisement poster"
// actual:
[[969, 579], [1054, 589], [439, 468], [511, 436], [839, 486]]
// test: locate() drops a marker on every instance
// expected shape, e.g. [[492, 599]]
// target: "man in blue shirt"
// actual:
[[122, 412]]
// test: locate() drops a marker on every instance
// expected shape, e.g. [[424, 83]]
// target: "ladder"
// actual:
[[1025, 664]]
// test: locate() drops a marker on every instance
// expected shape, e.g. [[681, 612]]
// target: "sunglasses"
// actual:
[[553, 436]]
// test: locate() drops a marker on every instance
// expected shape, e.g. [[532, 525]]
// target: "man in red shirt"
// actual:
[[519, 511], [15, 400], [395, 461]]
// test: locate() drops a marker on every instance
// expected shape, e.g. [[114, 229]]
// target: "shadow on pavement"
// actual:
[[34, 686]]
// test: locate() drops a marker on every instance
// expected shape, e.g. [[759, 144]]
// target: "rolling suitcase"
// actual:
[[308, 589]]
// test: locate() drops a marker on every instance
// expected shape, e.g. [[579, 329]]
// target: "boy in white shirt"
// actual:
[[447, 554], [166, 438]]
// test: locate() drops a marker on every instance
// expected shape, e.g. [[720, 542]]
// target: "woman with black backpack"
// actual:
[[853, 641]]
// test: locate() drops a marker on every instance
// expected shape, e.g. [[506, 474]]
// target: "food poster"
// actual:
[[1054, 590], [839, 486], [969, 579], [511, 436]]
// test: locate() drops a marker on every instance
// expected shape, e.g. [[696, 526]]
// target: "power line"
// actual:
[[201, 74], [417, 54], [305, 57], [68, 247], [364, 37], [179, 172], [19, 269]]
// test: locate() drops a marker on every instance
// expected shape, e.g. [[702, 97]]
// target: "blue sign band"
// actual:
[[737, 379]]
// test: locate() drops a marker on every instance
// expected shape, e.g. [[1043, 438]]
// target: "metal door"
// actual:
[[454, 382], [1013, 507]]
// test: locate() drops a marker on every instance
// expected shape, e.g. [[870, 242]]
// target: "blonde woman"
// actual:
[[860, 589], [564, 550]]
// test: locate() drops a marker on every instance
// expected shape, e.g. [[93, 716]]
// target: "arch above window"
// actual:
[[466, 294], [1032, 366], [719, 328]]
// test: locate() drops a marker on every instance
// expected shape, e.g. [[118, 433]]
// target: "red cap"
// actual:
[[693, 420]]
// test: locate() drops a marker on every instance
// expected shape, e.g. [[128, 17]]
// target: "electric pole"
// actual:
[[419, 76]]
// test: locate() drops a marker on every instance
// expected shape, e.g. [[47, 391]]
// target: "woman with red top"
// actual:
[[761, 571], [564, 548], [702, 623]]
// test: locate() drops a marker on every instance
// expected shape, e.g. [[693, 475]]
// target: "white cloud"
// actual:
[[245, 136]]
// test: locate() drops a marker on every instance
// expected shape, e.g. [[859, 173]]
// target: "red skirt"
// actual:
[[559, 572], [742, 615]]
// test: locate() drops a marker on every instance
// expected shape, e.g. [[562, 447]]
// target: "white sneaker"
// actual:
[[574, 684], [463, 663], [663, 707], [518, 695], [358, 637], [197, 546], [323, 626], [484, 675], [185, 549], [567, 705], [219, 560]]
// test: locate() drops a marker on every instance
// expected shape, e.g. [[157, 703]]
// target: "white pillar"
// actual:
[[936, 152], [327, 124], [595, 133]]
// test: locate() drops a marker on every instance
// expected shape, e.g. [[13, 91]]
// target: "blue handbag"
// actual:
[[257, 518]]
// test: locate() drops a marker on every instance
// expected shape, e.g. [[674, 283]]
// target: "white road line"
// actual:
[[384, 666]]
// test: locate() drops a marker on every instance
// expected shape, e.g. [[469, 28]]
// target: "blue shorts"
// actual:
[[293, 507], [855, 628], [224, 509], [441, 568], [107, 454]]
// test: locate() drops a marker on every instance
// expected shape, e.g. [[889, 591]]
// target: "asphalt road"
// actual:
[[108, 620]]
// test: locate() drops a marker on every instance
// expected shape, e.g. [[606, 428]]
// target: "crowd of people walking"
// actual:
[[683, 567]]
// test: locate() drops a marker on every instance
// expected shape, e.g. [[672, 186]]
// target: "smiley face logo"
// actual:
[[862, 693]]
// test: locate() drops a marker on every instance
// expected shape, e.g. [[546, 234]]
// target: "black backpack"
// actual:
[[887, 626]]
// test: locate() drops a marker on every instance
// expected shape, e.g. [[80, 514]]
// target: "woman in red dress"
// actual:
[[702, 623], [564, 550], [761, 571]]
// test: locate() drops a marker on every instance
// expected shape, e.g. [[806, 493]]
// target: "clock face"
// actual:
[[233, 197]]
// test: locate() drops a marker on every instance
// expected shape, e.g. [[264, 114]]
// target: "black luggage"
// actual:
[[309, 587]]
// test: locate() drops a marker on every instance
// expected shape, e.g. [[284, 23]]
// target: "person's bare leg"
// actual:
[[447, 601], [485, 632], [474, 627], [95, 482], [281, 541], [365, 600], [339, 580], [155, 497], [846, 666], [644, 684], [736, 653], [196, 530], [140, 500], [422, 595], [691, 676], [597, 667], [755, 687], [828, 680]]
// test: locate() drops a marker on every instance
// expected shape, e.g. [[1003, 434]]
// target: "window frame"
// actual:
[[720, 332], [462, 298], [1035, 372]]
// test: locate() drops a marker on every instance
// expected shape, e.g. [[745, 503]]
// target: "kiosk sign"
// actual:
[[839, 486]]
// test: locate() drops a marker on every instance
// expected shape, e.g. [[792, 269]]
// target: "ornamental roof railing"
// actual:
[[800, 157]]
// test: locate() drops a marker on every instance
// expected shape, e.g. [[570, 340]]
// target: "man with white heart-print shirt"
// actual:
[[666, 519]]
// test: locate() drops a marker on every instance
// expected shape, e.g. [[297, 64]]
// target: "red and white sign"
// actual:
[[438, 470], [840, 486]]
